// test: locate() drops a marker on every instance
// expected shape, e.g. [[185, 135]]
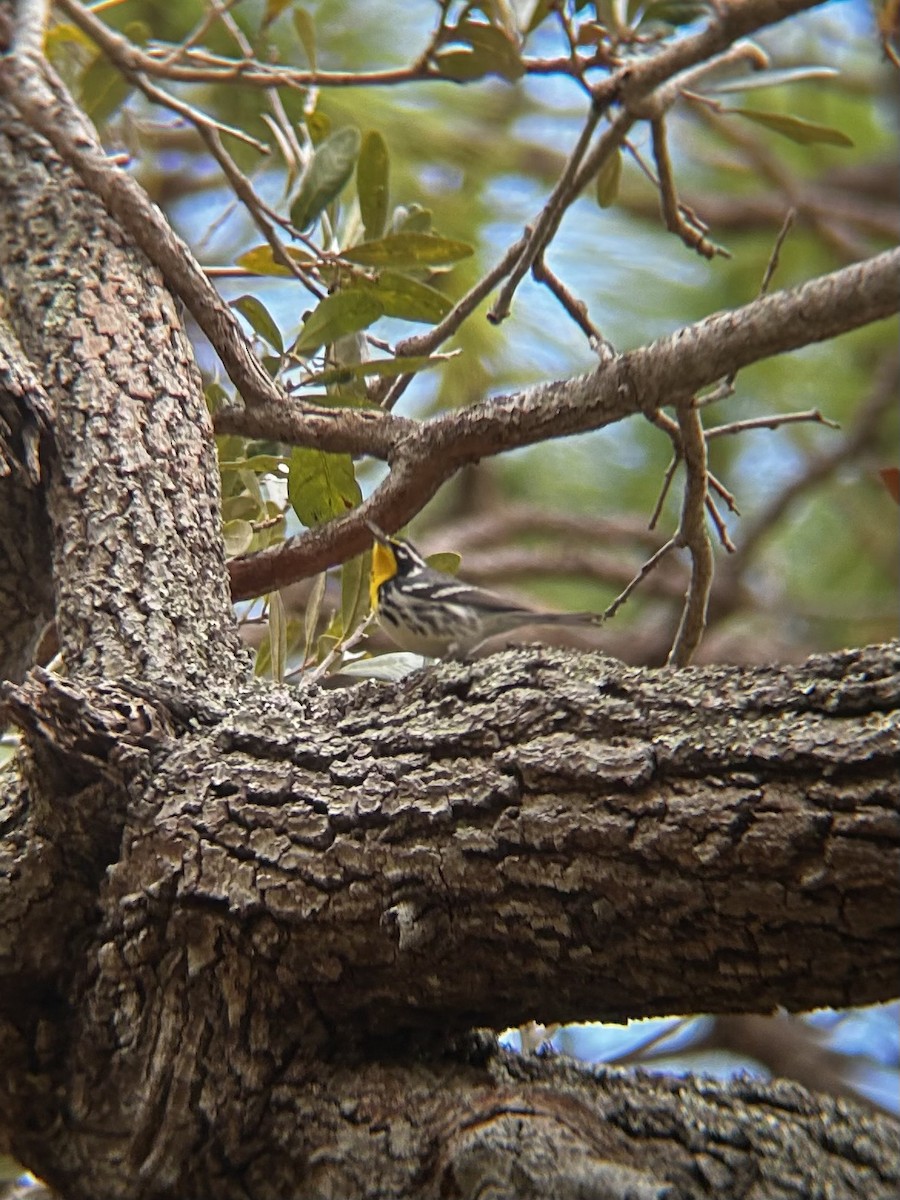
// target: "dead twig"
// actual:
[[693, 535]]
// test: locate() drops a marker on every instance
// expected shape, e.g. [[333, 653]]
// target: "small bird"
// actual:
[[430, 613]]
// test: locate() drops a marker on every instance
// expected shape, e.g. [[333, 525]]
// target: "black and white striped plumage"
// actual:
[[430, 613]]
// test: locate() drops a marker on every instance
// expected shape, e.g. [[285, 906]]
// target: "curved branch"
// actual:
[[642, 380]]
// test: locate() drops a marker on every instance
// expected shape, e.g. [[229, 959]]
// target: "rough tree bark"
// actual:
[[244, 932], [239, 945]]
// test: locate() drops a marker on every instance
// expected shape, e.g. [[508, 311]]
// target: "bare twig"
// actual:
[[774, 257], [671, 210], [539, 233], [308, 678], [720, 526], [664, 491], [772, 422], [577, 309], [642, 574], [692, 534]]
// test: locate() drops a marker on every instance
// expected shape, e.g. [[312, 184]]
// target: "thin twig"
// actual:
[[772, 422], [541, 230], [642, 574], [664, 491], [577, 309], [772, 264], [690, 215], [720, 526], [692, 533], [337, 649], [720, 489], [671, 210]]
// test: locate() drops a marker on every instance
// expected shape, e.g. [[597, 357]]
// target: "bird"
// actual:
[[428, 612]]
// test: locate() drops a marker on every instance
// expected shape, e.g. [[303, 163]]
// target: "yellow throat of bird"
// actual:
[[384, 566]]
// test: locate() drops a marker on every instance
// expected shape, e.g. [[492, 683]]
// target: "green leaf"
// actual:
[[337, 315], [355, 591], [608, 179], [766, 79], [311, 616], [318, 126], [445, 560], [492, 53], [321, 486], [216, 396], [103, 89], [807, 133], [277, 636], [412, 218], [390, 668], [274, 9], [238, 535], [673, 12], [406, 298], [404, 250], [504, 50], [372, 173], [60, 41], [260, 320], [306, 31], [240, 508], [330, 167], [463, 66]]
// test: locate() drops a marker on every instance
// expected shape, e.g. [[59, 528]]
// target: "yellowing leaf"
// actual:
[[260, 261], [321, 486], [408, 250]]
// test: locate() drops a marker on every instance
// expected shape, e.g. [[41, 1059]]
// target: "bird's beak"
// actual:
[[378, 534]]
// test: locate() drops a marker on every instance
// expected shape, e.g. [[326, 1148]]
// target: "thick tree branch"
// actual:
[[235, 900]]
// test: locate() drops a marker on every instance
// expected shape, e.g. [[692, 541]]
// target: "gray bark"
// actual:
[[259, 919], [26, 589], [138, 565]]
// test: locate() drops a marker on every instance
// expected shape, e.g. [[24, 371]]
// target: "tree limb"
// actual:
[[238, 898]]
